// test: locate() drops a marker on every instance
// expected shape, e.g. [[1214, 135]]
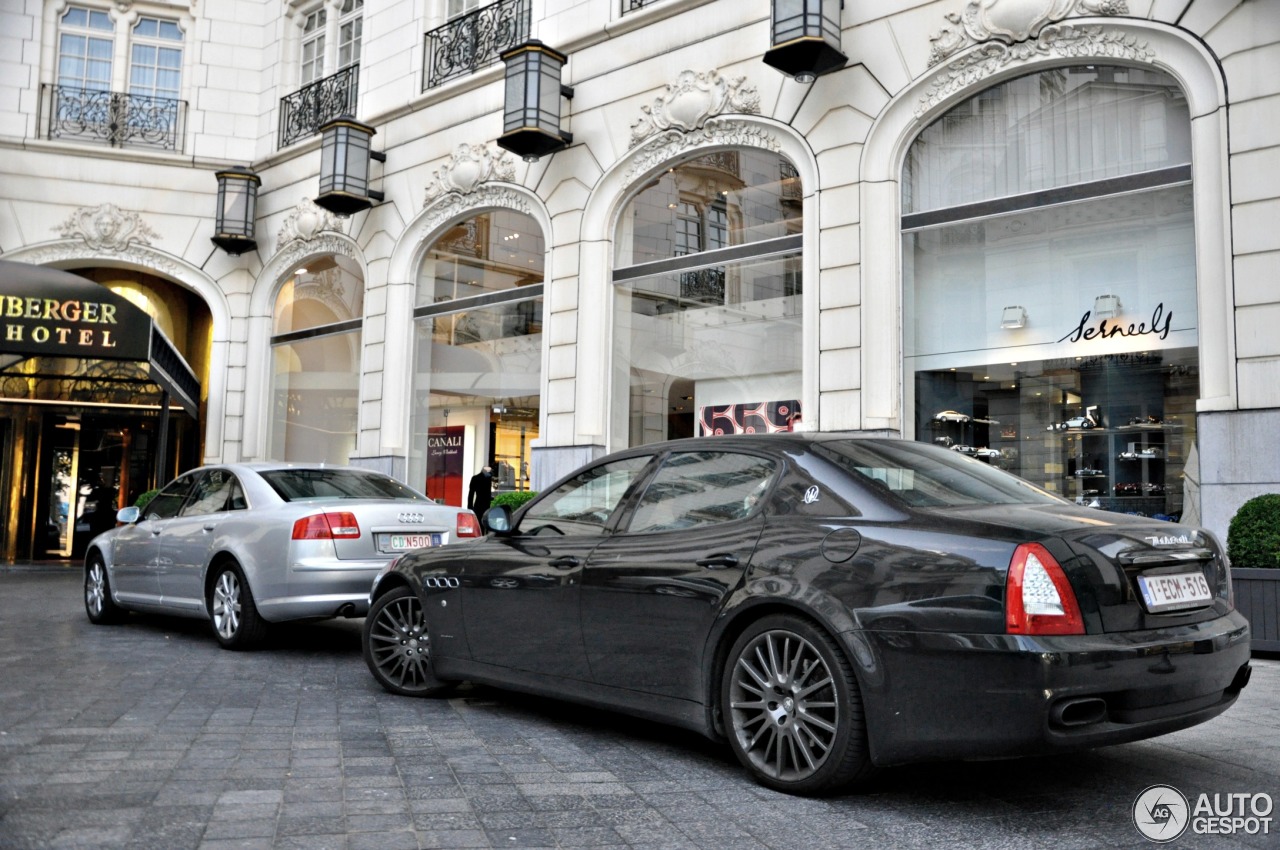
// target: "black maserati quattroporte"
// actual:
[[826, 604]]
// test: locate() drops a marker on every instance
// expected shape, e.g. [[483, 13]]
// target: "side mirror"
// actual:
[[128, 515], [498, 519]]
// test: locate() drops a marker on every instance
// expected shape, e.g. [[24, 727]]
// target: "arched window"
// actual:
[[315, 347], [1049, 283], [707, 306], [478, 355]]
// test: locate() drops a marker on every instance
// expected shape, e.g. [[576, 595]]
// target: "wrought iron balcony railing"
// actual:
[[308, 109], [114, 118], [474, 40]]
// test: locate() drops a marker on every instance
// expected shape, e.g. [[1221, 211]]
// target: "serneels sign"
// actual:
[[1161, 324]]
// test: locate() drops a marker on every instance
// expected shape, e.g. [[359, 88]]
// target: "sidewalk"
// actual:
[[147, 735]]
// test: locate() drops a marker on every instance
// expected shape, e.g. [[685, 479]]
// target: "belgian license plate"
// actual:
[[1173, 591], [404, 542]]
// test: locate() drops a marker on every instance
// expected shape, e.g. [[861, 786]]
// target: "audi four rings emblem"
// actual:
[[440, 582], [407, 517]]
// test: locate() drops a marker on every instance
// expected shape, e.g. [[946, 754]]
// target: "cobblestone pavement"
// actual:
[[148, 735]]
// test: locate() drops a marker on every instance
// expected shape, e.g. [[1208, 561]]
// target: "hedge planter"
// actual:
[[1257, 594]]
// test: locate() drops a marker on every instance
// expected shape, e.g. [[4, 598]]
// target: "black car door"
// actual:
[[651, 592], [520, 591]]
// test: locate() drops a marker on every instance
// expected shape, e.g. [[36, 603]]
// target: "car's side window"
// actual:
[[212, 494], [694, 489], [169, 501], [583, 505]]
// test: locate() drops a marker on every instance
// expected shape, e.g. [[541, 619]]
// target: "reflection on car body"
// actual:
[[792, 593]]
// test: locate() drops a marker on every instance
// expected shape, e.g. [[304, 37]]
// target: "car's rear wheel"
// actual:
[[235, 618], [397, 647], [98, 604], [792, 708]]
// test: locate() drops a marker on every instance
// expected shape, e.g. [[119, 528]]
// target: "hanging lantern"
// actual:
[[531, 114], [237, 208], [806, 38], [344, 166]]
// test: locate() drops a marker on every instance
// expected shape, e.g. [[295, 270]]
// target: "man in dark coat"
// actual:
[[480, 491]]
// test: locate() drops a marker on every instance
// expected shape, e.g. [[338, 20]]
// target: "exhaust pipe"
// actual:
[[1079, 712], [347, 610]]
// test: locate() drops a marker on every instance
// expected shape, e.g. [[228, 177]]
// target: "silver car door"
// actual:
[[186, 544]]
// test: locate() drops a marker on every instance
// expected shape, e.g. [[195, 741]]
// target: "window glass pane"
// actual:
[[327, 291], [1048, 130], [694, 489], [170, 499], [212, 495], [583, 505], [478, 369], [146, 28], [307, 485], [150, 52], [492, 252], [712, 201], [316, 390]]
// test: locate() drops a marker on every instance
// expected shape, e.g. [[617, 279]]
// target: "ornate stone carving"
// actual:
[[470, 166], [454, 204], [134, 254], [300, 249], [1057, 40], [716, 132], [305, 222], [692, 100], [106, 228], [1010, 22]]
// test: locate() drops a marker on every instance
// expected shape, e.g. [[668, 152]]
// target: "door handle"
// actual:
[[565, 562], [210, 526], [719, 562]]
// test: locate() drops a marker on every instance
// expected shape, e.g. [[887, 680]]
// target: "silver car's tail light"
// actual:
[[1038, 598], [468, 525], [334, 525]]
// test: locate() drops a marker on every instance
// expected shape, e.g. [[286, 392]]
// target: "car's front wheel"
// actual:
[[397, 647], [792, 708], [98, 603], [235, 618]]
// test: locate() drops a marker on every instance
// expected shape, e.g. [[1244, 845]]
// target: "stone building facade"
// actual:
[[1040, 232]]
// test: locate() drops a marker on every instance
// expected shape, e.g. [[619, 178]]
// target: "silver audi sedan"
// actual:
[[249, 544]]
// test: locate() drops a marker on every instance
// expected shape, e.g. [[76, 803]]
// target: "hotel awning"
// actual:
[[46, 312]]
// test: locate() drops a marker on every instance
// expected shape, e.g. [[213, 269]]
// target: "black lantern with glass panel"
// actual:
[[806, 38], [344, 166], [531, 113], [237, 207]]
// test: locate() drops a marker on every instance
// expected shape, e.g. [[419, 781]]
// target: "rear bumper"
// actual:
[[930, 695], [320, 589]]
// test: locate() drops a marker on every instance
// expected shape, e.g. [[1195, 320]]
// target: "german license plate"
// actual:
[[1174, 591], [404, 542]]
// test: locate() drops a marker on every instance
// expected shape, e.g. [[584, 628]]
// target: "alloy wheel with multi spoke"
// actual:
[[98, 603], [226, 605], [792, 707], [397, 647], [236, 623]]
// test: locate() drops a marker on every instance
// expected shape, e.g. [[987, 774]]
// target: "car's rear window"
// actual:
[[924, 476], [297, 485]]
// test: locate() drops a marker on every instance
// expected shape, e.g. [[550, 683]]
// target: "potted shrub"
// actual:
[[1253, 547]]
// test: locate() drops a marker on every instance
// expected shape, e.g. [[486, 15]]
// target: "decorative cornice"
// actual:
[[327, 243], [453, 204], [305, 223], [1063, 41], [691, 101], [718, 132], [134, 253], [106, 228], [468, 168], [1010, 22]]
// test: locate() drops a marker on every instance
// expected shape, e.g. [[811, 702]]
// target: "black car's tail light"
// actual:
[[334, 525], [1038, 598], [468, 525]]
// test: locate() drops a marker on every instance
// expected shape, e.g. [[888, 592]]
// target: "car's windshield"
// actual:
[[924, 476], [295, 485]]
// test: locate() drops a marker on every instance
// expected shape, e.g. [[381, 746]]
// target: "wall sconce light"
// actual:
[[531, 112], [237, 209], [806, 38], [344, 166], [1106, 306], [1013, 317]]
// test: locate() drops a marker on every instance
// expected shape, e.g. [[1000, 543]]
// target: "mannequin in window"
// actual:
[[480, 492]]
